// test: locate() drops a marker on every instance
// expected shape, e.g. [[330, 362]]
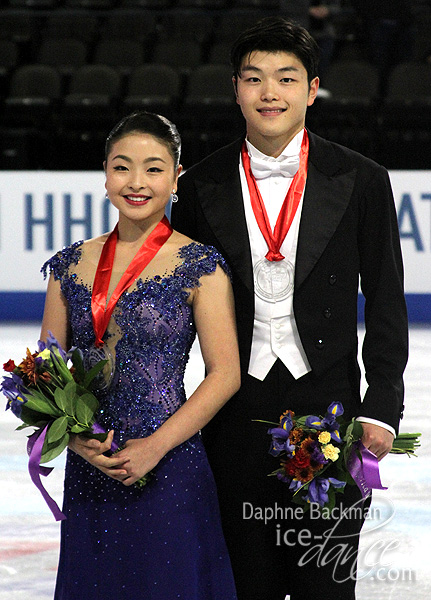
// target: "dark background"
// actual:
[[69, 69]]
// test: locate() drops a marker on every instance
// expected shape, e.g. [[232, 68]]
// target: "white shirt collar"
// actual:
[[293, 148]]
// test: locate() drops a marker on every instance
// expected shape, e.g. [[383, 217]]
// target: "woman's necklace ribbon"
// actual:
[[101, 312], [290, 205]]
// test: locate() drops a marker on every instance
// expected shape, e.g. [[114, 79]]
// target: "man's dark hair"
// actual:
[[276, 34]]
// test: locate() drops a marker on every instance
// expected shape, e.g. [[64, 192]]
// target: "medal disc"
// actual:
[[95, 355], [273, 280]]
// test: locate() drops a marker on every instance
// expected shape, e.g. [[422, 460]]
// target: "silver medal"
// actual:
[[273, 280], [92, 357]]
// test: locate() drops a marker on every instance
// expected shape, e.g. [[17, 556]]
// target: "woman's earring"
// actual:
[[174, 197]]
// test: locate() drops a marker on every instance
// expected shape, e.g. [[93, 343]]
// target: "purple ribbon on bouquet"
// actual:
[[98, 429], [364, 469], [34, 449]]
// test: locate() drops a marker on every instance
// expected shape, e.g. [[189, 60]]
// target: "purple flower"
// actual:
[[318, 489], [286, 422], [316, 455], [280, 442], [280, 437], [16, 404], [329, 422], [38, 361], [12, 388], [295, 484], [281, 476], [13, 384], [51, 343]]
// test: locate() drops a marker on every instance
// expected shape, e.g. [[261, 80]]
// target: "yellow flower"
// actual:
[[324, 437], [330, 452], [45, 354]]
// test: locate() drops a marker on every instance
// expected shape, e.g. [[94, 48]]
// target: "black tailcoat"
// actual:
[[348, 236]]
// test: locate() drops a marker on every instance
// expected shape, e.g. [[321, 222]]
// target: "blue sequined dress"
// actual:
[[165, 541]]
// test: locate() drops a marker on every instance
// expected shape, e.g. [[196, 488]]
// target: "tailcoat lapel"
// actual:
[[327, 195], [221, 200]]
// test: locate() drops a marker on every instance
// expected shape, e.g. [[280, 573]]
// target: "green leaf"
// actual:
[[331, 502], [61, 366], [52, 450], [78, 428], [22, 426], [297, 499], [40, 405], [93, 372], [300, 421], [86, 408], [79, 365], [37, 402], [267, 422], [88, 433], [71, 393], [60, 399], [34, 418], [57, 429], [357, 430], [354, 431]]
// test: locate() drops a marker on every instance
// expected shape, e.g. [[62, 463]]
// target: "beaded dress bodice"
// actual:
[[150, 335]]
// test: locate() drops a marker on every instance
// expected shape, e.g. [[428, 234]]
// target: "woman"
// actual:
[[137, 297]]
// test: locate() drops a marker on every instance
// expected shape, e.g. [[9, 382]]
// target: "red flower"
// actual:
[[9, 366], [290, 467], [302, 459]]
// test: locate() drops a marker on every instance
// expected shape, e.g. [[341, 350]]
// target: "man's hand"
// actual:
[[377, 439]]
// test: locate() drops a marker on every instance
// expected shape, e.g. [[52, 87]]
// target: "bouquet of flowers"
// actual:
[[44, 392], [321, 455]]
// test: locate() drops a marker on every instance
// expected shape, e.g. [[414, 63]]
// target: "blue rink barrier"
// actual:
[[28, 306]]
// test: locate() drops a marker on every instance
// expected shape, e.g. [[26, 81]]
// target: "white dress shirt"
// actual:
[[275, 334]]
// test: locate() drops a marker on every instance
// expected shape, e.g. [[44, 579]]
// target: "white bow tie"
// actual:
[[264, 168]]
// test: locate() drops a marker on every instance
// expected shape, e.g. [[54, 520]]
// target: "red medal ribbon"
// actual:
[[290, 203], [101, 312]]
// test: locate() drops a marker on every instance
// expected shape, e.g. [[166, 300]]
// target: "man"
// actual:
[[296, 304]]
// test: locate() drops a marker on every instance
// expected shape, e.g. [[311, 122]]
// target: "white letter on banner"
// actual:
[[406, 210], [69, 221], [31, 221]]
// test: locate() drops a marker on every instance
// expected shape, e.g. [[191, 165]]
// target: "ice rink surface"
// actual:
[[395, 548]]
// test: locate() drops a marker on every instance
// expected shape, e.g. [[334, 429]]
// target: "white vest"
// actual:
[[275, 334]]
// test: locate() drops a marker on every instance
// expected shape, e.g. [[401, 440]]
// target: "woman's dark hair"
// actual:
[[276, 34], [146, 122]]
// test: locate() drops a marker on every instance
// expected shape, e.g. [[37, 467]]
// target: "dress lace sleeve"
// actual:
[[59, 263], [199, 260]]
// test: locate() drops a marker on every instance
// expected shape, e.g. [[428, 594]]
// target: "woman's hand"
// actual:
[[93, 452], [139, 457]]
